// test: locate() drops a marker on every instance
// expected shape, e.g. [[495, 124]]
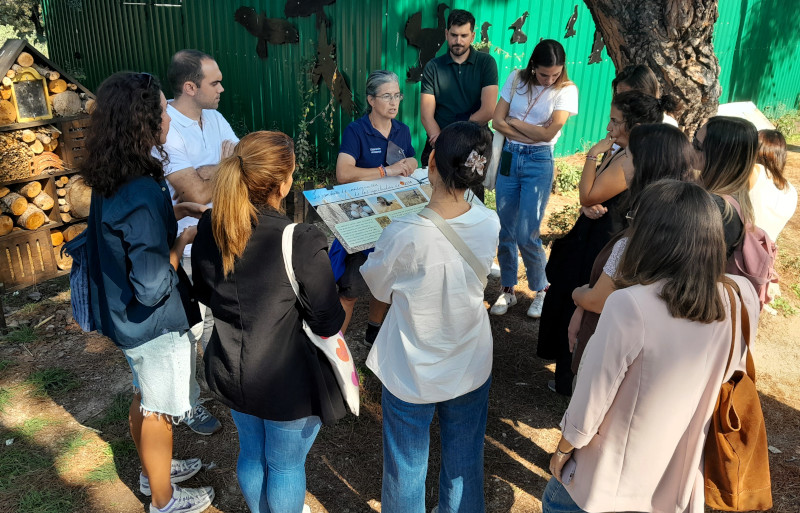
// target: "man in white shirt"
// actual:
[[198, 138]]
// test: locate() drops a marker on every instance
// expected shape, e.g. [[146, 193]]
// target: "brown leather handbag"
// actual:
[[736, 457]]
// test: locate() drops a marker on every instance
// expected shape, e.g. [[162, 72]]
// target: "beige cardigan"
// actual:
[[640, 413]]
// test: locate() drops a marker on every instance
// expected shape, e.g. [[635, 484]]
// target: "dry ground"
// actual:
[[63, 404]]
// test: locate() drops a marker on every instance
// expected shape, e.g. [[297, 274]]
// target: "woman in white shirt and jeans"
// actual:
[[534, 104], [434, 351]]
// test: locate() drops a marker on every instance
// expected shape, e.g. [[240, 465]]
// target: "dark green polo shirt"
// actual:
[[457, 87]]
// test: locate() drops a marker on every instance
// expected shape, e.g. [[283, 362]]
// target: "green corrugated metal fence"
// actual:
[[755, 40]]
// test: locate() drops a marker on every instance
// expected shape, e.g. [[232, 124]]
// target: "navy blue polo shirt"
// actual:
[[368, 146]]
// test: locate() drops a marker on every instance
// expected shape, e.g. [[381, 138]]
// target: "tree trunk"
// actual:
[[674, 39]]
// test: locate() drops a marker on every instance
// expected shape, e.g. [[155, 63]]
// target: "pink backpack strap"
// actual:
[[735, 204]]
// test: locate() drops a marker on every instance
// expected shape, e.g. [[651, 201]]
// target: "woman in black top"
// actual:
[[727, 148], [602, 190], [259, 361]]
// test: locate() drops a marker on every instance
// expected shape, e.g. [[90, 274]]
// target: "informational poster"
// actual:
[[358, 212]]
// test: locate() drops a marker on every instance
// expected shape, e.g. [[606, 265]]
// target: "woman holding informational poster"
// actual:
[[434, 352], [373, 146]]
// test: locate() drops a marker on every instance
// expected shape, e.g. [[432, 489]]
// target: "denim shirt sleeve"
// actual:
[[144, 232]]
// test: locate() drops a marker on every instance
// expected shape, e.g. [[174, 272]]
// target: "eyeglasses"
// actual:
[[616, 123], [389, 97], [696, 144]]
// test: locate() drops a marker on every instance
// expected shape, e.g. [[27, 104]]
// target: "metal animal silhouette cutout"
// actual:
[[597, 48], [305, 8], [326, 69], [571, 24], [427, 40], [276, 31], [519, 36]]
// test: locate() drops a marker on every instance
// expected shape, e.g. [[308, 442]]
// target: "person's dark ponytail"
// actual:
[[668, 103]]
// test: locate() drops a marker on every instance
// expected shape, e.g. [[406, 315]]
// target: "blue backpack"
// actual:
[[79, 282]]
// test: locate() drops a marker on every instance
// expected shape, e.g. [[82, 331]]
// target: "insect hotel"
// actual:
[[43, 202]]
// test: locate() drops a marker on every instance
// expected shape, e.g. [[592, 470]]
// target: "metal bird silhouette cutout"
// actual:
[[571, 24], [485, 37], [305, 8], [326, 69], [597, 48], [485, 32], [274, 31], [427, 40], [519, 36]]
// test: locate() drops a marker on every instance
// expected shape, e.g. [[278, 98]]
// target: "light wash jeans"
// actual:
[[556, 499], [271, 468], [406, 440], [521, 199]]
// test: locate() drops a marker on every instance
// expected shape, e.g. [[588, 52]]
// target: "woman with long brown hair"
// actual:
[[774, 199], [139, 292], [633, 434], [602, 193], [259, 361], [534, 105], [726, 152]]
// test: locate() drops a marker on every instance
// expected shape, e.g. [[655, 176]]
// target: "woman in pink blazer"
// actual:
[[633, 434]]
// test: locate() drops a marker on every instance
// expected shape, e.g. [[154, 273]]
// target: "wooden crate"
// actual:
[[72, 142], [26, 258]]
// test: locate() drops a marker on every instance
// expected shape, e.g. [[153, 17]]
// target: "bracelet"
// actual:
[[589, 157], [382, 171], [559, 451]]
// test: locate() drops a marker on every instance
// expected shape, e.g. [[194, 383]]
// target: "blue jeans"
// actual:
[[521, 199], [406, 440], [272, 461], [556, 499]]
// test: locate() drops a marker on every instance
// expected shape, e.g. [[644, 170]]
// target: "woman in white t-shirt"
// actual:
[[433, 353], [774, 199], [534, 105]]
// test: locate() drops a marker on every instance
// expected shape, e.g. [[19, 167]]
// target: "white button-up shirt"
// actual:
[[188, 145], [436, 342]]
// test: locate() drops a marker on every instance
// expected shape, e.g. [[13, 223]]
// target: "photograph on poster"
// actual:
[[384, 203]]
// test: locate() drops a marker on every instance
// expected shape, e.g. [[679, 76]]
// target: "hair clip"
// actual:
[[476, 162], [241, 162]]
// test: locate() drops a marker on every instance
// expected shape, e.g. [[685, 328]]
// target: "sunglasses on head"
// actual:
[[696, 144]]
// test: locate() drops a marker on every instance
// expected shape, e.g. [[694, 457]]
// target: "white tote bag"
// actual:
[[334, 348]]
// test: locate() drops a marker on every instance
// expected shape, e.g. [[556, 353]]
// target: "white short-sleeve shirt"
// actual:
[[188, 145], [436, 342], [539, 111], [772, 207]]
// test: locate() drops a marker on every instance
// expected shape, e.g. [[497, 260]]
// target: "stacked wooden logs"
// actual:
[[65, 98], [59, 238], [74, 197], [29, 152], [24, 207]]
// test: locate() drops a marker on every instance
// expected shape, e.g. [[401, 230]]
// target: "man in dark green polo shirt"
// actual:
[[460, 85]]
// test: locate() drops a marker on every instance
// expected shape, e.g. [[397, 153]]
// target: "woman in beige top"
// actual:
[[633, 434]]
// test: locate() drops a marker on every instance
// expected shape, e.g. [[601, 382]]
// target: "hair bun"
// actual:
[[668, 103]]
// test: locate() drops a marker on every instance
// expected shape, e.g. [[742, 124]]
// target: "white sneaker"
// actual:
[[187, 500], [494, 271], [535, 309], [180, 471], [505, 300], [306, 508]]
